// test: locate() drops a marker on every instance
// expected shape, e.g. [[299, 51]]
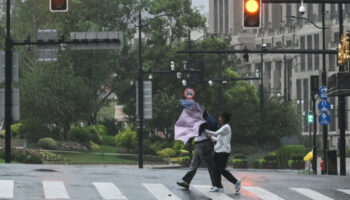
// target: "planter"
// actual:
[[240, 165], [269, 165], [293, 164]]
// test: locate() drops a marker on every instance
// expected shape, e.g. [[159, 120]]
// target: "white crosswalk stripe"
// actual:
[[6, 189], [311, 194], [109, 191], [160, 191], [55, 190], [204, 189], [345, 191], [262, 193]]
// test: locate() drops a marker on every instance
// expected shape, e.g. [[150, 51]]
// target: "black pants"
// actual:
[[203, 151], [220, 160]]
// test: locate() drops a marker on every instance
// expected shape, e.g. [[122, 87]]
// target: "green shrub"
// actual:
[[126, 139], [32, 130], [52, 157], [297, 157], [158, 145], [185, 160], [270, 157], [284, 153], [348, 152], [2, 134], [296, 164], [94, 146], [101, 129], [178, 145], [244, 149], [167, 153], [78, 134], [27, 156], [47, 143], [184, 152], [239, 156], [108, 140]]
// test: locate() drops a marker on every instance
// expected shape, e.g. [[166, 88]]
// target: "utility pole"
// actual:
[[262, 84], [341, 107], [140, 97], [324, 83], [8, 84], [285, 78]]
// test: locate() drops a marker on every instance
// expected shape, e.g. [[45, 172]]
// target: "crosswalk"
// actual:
[[110, 191]]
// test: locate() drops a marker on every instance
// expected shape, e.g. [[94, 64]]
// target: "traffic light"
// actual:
[[310, 118], [58, 5], [251, 13]]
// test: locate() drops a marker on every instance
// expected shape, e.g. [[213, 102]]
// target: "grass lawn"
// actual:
[[106, 149], [2, 160], [88, 158]]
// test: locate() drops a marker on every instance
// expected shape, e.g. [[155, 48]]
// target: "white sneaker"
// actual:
[[238, 185], [214, 189]]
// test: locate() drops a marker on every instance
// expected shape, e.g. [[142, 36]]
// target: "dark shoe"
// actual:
[[183, 184]]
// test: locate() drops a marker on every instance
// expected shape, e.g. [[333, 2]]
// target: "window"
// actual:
[[333, 13], [289, 13], [336, 38], [332, 64], [306, 102], [226, 16], [309, 62], [319, 12], [317, 46], [310, 12], [289, 43], [302, 42], [302, 62], [332, 114]]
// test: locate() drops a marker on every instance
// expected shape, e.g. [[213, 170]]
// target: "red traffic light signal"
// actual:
[[251, 13], [58, 5]]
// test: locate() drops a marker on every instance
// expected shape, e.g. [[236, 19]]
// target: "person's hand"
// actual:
[[208, 135]]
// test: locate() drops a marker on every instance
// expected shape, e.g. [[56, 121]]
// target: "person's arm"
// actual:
[[214, 138], [222, 131]]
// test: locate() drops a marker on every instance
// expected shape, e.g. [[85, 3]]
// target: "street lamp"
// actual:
[[184, 83], [210, 82]]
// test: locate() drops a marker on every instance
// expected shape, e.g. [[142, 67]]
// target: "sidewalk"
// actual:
[[347, 163]]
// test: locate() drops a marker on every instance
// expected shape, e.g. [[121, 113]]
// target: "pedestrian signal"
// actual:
[[58, 5], [251, 13], [310, 118]]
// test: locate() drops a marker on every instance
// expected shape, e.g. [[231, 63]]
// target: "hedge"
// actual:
[[167, 153], [284, 153], [108, 140], [239, 156], [78, 134], [47, 143], [348, 152]]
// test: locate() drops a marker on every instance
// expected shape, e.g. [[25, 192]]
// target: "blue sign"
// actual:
[[322, 93], [324, 106], [324, 119]]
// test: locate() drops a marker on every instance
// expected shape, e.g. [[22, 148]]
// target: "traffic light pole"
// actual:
[[314, 149], [8, 84], [341, 107], [140, 98], [324, 83]]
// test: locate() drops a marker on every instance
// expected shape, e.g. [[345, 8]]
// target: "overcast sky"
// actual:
[[202, 5]]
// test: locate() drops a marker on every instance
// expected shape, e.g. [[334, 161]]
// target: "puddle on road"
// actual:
[[45, 170]]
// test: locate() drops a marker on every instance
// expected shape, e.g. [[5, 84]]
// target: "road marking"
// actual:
[[262, 193], [6, 189], [345, 191], [204, 189], [311, 194], [109, 191], [55, 190], [160, 191]]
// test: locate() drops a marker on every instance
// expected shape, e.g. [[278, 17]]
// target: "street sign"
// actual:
[[323, 92], [324, 119], [14, 66], [324, 106], [15, 104], [97, 36], [147, 100], [47, 53], [189, 93]]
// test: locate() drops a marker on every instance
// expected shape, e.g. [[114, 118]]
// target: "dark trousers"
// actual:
[[203, 151], [220, 163]]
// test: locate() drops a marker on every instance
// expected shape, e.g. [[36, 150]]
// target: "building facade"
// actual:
[[286, 75]]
